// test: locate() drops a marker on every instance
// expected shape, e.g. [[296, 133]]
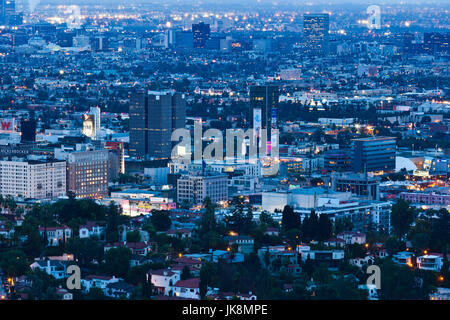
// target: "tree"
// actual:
[[206, 275], [185, 273], [290, 219], [160, 220], [112, 226], [85, 250], [14, 263], [440, 235], [117, 261], [400, 282], [208, 222], [241, 216], [402, 216], [133, 236], [325, 227], [393, 245], [266, 219]]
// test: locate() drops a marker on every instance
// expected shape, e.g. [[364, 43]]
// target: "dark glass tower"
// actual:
[[28, 130], [153, 117], [373, 154], [264, 99], [316, 29], [201, 33]]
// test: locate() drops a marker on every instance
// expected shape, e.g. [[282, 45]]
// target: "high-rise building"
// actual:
[[360, 184], [89, 128], [97, 120], [28, 130], [154, 115], [196, 187], [7, 10], [87, 173], [337, 160], [118, 148], [434, 42], [373, 154], [263, 108], [33, 179], [316, 33], [201, 33]]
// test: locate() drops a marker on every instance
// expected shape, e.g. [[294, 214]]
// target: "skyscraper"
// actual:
[[315, 31], [373, 154], [201, 33], [7, 10], [263, 108], [28, 130], [153, 117]]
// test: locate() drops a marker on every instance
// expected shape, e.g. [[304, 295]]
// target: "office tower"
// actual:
[[201, 32], [180, 39], [337, 160], [117, 147], [153, 117], [89, 129], [97, 118], [356, 183], [28, 130], [33, 179], [373, 154], [87, 173], [195, 187], [7, 10], [315, 31], [407, 43], [99, 43], [263, 108], [435, 42]]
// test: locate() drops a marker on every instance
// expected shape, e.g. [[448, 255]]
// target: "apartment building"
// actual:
[[87, 173], [195, 188], [32, 178]]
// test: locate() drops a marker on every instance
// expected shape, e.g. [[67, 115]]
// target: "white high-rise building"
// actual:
[[33, 179], [96, 112]]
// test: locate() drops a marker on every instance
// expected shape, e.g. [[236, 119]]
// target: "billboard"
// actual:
[[89, 129], [8, 125]]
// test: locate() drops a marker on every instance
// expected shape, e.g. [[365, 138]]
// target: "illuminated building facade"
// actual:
[[153, 117], [315, 31], [87, 173]]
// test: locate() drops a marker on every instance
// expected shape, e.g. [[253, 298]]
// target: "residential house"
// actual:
[[119, 289], [244, 243], [432, 261], [55, 268], [189, 288], [56, 235], [93, 281], [92, 229], [351, 237], [163, 280]]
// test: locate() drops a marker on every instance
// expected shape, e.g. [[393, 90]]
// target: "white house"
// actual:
[[163, 280], [55, 268], [92, 229], [56, 235], [92, 281], [404, 258], [351, 237], [432, 261], [189, 289]]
